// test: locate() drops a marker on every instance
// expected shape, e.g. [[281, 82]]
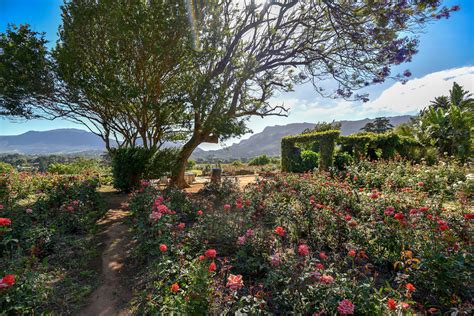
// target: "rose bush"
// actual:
[[380, 238], [44, 237]]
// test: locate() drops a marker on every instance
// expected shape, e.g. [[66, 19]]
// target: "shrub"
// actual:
[[6, 167], [129, 166], [291, 160], [342, 160], [259, 161], [309, 160], [162, 162]]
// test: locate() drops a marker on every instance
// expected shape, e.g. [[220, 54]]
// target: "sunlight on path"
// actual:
[[113, 294]]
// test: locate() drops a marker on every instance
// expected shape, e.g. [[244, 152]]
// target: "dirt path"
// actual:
[[114, 292]]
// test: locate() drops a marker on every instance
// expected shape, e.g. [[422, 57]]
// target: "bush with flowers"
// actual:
[[45, 243], [369, 241]]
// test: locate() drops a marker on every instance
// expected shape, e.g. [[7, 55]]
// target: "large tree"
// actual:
[[115, 69], [246, 52]]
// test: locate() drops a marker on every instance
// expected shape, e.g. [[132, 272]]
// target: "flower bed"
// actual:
[[308, 244], [44, 242]]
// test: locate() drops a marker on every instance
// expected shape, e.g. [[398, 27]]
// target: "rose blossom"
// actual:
[[303, 250], [326, 279], [345, 307], [5, 221], [234, 282], [210, 253], [280, 231], [241, 240], [7, 281]]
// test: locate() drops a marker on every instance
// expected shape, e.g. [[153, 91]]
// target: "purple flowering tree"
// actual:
[[245, 52]]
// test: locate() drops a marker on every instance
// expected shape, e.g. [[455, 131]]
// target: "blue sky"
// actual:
[[446, 53]]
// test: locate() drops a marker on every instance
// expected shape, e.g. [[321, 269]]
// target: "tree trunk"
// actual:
[[177, 175]]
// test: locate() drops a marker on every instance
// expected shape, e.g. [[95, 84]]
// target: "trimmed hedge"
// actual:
[[358, 146], [291, 160], [369, 145]]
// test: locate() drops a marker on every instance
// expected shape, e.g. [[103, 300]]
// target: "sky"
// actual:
[[446, 54]]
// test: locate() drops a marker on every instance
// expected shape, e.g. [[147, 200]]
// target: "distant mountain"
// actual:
[[268, 141], [56, 141], [80, 142]]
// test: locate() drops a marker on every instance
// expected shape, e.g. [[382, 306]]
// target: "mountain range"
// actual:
[[268, 141], [80, 142]]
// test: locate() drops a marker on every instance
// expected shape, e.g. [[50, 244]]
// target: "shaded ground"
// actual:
[[114, 292]]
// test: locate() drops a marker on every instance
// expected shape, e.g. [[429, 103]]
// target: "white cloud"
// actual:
[[417, 93], [398, 99]]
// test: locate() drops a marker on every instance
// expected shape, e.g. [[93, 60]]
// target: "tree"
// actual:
[[323, 127], [449, 127], [24, 73], [116, 70], [379, 125], [246, 53]]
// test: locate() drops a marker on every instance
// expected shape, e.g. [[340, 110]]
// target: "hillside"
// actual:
[[76, 141], [268, 141]]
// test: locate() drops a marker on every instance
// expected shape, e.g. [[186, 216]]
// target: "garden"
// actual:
[[379, 238], [378, 221]]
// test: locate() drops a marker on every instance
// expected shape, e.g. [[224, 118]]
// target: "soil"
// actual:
[[114, 292]]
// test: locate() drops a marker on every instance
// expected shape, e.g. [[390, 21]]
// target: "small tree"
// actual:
[[379, 125], [449, 128]]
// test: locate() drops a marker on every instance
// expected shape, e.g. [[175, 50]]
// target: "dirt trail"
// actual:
[[114, 292]]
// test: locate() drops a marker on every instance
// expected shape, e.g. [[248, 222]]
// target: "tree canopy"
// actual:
[[148, 71]]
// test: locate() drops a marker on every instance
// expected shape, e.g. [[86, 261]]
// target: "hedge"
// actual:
[[367, 145], [130, 165], [291, 160], [359, 146]]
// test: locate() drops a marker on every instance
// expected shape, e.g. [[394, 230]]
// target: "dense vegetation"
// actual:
[[379, 238], [46, 244]]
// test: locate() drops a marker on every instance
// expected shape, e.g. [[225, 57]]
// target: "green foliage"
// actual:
[[291, 160], [378, 126], [448, 122], [375, 146], [132, 164], [259, 161], [309, 160], [342, 160], [24, 70], [161, 163], [129, 165], [78, 166], [6, 167]]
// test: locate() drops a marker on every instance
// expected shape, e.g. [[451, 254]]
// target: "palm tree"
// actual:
[[448, 122]]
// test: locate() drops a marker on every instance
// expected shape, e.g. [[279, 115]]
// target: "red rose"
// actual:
[[345, 307], [163, 248], [469, 216], [391, 304], [351, 253], [303, 250], [7, 281], [175, 288], [181, 226], [5, 221], [210, 253], [410, 287], [202, 258], [212, 267], [280, 231], [323, 256], [199, 212], [399, 216]]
